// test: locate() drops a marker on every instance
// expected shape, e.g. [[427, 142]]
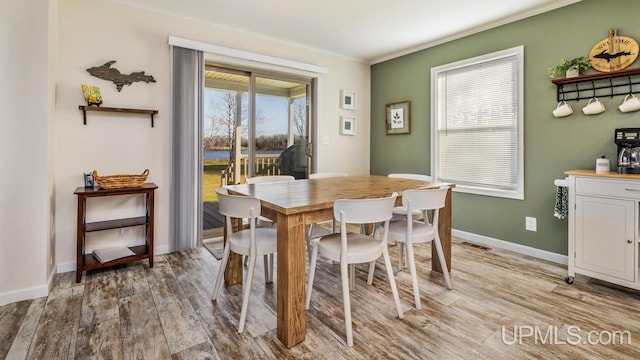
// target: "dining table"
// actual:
[[293, 206]]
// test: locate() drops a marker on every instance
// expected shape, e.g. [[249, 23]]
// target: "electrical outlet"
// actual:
[[530, 223]]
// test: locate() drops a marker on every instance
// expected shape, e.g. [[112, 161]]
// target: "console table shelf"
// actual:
[[115, 224], [91, 263], [88, 261], [112, 109]]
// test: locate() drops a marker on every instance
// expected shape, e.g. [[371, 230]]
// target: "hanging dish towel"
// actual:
[[562, 197]]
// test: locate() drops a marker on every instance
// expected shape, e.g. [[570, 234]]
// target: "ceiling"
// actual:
[[368, 30]]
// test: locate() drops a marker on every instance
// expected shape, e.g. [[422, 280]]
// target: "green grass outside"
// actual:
[[211, 178]]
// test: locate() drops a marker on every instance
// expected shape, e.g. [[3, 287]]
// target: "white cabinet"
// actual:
[[603, 227]]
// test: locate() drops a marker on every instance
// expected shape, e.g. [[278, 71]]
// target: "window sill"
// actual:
[[507, 194]]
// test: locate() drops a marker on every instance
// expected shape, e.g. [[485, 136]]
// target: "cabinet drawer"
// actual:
[[627, 189]]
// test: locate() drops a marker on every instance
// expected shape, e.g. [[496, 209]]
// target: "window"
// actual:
[[477, 126]]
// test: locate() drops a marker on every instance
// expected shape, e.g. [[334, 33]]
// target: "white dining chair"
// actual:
[[400, 210], [351, 248], [263, 221], [410, 232], [251, 242], [317, 230]]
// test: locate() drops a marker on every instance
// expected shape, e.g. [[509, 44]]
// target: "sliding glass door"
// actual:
[[255, 124], [281, 135]]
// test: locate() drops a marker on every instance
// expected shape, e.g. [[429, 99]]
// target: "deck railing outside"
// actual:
[[265, 164]]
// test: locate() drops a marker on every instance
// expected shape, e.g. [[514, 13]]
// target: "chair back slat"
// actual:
[[235, 206], [364, 211], [424, 199], [411, 176], [270, 179], [323, 175]]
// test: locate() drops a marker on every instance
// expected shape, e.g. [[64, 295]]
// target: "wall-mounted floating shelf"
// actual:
[[600, 85], [111, 109]]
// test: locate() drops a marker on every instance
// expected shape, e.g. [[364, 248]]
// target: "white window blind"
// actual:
[[477, 124]]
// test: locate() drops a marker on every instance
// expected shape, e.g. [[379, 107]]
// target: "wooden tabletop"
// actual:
[[314, 194]]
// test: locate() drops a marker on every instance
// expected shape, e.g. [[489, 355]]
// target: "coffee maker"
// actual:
[[628, 141]]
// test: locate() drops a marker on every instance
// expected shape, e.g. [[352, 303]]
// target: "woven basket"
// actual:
[[120, 181]]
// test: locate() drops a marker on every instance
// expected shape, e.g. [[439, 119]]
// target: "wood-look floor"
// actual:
[[133, 312]]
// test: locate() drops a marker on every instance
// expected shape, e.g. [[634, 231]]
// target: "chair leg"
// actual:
[[443, 262], [247, 293], [266, 268], [401, 253], [372, 269], [312, 272], [392, 281], [223, 266], [344, 269], [309, 247], [271, 256], [414, 275], [352, 276]]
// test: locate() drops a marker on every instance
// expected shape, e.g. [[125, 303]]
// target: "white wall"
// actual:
[[26, 176], [94, 32]]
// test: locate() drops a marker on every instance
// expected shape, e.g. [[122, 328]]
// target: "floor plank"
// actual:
[[57, 327], [142, 333], [11, 318], [181, 325], [21, 343]]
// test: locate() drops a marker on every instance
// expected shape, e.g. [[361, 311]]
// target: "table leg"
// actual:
[[291, 279], [233, 272], [444, 228], [80, 237]]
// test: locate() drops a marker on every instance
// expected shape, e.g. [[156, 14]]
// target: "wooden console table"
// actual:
[[88, 261]]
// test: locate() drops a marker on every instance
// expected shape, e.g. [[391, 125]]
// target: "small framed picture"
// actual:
[[88, 180], [347, 125], [348, 99], [398, 119]]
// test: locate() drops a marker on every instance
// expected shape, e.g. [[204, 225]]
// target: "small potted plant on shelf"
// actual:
[[570, 68]]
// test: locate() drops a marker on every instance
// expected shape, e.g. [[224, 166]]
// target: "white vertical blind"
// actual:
[[478, 124]]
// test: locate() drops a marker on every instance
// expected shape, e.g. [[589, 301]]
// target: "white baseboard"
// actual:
[[65, 267], [24, 294], [160, 250], [28, 293], [507, 245]]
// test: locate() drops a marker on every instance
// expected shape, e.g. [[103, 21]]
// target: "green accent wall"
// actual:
[[551, 145]]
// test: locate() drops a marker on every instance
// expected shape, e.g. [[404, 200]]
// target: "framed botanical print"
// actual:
[[398, 118]]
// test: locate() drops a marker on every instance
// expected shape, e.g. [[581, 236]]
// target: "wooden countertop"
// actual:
[[611, 174]]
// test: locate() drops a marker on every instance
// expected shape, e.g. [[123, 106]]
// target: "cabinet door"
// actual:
[[605, 236]]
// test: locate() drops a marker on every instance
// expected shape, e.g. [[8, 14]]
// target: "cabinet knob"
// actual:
[[629, 242]]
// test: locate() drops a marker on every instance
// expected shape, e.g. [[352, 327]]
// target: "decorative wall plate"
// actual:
[[613, 53]]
